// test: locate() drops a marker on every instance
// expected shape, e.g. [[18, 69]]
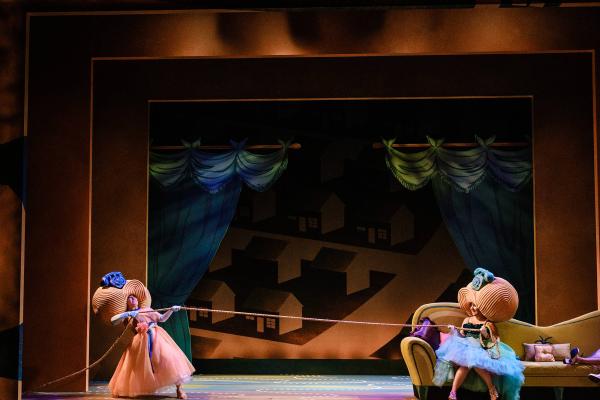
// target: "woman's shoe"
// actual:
[[452, 395], [494, 394], [181, 394], [594, 378], [574, 354]]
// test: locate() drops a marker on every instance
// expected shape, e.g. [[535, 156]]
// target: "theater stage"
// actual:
[[262, 387]]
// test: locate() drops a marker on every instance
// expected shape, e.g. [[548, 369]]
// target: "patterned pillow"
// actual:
[[560, 351], [543, 353], [528, 351]]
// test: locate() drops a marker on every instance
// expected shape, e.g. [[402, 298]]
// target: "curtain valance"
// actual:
[[212, 171], [462, 169]]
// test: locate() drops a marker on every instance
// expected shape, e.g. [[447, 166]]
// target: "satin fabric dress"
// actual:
[[152, 360]]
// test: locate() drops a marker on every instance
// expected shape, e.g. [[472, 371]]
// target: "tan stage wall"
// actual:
[[87, 212]]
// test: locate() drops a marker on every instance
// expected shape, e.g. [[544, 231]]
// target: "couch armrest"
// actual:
[[420, 360]]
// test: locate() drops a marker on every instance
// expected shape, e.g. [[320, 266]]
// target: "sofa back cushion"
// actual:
[[582, 332], [441, 313]]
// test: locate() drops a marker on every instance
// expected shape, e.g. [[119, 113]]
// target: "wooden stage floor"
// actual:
[[274, 387]]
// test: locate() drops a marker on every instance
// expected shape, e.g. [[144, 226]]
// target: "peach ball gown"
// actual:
[[137, 374]]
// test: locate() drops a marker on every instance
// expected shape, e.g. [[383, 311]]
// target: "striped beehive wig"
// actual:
[[110, 300], [495, 297]]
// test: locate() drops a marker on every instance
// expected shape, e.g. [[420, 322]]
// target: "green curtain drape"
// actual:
[[485, 198], [192, 200]]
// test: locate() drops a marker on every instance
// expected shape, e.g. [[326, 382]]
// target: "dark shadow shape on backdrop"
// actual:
[[391, 350]]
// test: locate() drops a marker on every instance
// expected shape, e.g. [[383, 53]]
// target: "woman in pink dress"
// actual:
[[152, 360]]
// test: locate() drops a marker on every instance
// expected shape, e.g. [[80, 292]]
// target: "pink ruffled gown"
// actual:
[[136, 373]]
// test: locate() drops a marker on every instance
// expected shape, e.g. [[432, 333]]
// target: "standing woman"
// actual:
[[476, 345], [152, 360]]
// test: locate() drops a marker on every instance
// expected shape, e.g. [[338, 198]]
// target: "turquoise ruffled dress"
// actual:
[[507, 371]]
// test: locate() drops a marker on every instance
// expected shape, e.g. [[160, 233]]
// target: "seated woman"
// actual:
[[593, 359], [477, 346]]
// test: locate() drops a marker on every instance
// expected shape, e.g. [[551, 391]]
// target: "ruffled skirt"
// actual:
[[136, 375], [507, 371]]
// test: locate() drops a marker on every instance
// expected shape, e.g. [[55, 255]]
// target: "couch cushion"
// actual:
[[557, 369]]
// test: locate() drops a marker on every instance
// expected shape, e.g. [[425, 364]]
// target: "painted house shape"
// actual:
[[343, 267], [273, 260], [274, 302], [213, 294], [317, 211], [256, 206], [385, 224]]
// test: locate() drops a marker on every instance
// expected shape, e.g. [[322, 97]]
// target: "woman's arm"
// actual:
[[167, 314], [461, 331]]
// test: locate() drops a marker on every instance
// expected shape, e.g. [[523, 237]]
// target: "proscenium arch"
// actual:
[[58, 78]]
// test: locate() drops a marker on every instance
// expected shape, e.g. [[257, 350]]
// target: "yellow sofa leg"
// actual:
[[558, 393], [420, 392]]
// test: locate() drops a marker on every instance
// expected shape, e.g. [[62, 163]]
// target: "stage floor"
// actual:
[[262, 387]]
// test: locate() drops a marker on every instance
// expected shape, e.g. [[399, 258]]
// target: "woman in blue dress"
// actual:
[[476, 346]]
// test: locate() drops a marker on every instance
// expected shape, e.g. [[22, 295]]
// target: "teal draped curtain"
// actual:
[[485, 198], [192, 200]]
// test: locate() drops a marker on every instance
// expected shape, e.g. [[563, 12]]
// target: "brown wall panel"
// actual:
[[57, 225], [57, 231], [564, 209], [119, 230]]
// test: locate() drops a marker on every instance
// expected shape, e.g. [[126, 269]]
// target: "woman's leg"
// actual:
[[180, 393], [487, 378], [593, 360], [459, 377]]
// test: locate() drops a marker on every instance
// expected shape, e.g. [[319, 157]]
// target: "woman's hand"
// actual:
[[485, 331], [451, 328], [175, 308]]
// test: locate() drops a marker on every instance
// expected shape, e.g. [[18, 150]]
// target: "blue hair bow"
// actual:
[[114, 279], [481, 278]]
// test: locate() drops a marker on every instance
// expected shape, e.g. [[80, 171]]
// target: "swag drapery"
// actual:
[[192, 200], [485, 199]]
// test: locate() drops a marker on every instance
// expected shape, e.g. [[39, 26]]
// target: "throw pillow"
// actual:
[[528, 351], [543, 353], [560, 351]]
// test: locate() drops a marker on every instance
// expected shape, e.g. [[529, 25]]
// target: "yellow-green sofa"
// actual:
[[582, 332]]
